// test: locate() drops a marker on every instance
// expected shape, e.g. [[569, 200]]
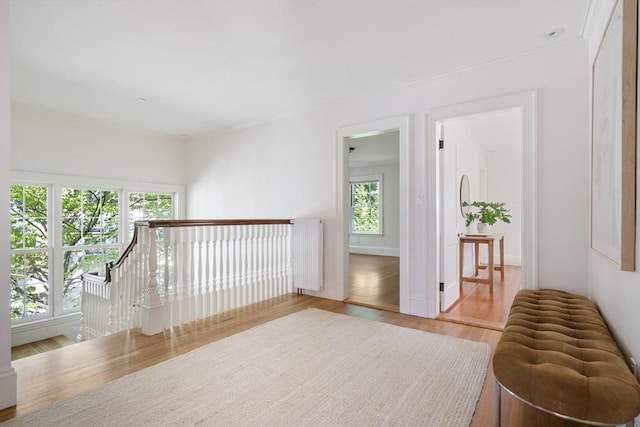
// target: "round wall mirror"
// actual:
[[465, 196]]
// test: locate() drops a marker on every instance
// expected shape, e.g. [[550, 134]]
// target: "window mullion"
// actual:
[[57, 282], [123, 220]]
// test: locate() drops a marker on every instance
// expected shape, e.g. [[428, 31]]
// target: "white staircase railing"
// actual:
[[178, 271]]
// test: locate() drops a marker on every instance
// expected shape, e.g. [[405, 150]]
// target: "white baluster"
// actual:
[[277, 260], [152, 309], [178, 260], [206, 283], [235, 280], [269, 250], [251, 264], [243, 264], [289, 259], [186, 271], [257, 263], [202, 275], [224, 263], [175, 282], [217, 239], [112, 296], [167, 294]]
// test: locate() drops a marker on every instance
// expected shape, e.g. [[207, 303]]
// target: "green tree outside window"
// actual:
[[365, 207]]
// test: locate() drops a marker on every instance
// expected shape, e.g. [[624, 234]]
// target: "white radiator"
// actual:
[[307, 244]]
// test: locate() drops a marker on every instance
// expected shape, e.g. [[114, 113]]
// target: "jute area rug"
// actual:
[[311, 368]]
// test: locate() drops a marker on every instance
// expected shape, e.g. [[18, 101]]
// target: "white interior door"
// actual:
[[449, 285]]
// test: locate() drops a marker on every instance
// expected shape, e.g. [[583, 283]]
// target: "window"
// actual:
[[149, 206], [60, 232], [366, 204], [89, 237], [30, 251]]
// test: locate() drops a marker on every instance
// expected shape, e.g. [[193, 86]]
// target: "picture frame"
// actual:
[[613, 156]]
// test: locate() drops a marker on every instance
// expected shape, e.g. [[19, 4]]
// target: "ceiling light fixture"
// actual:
[[554, 33]]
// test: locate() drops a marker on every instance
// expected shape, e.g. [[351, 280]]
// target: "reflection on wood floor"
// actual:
[[374, 281], [42, 346], [478, 307]]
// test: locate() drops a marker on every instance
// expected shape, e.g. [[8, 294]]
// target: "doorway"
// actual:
[[512, 169], [374, 219], [373, 161], [480, 162]]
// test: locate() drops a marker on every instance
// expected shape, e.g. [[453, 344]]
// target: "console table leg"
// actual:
[[491, 266]]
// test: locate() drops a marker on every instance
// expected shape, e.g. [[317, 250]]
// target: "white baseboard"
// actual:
[[9, 388], [374, 250], [42, 329], [449, 295], [329, 291]]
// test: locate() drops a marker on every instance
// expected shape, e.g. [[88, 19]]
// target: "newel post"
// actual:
[[152, 313]]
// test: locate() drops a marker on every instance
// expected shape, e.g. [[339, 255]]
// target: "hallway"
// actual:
[[374, 282]]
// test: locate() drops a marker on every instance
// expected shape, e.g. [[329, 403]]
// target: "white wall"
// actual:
[[48, 141], [504, 184], [388, 243], [8, 387], [287, 168], [617, 293]]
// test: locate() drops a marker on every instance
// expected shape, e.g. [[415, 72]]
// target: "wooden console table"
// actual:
[[477, 240]]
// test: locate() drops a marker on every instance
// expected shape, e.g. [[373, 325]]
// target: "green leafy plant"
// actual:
[[487, 213]]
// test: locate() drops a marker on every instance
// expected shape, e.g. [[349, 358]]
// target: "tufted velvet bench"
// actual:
[[556, 354]]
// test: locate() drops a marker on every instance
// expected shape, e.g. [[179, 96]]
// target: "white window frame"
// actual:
[[367, 178]]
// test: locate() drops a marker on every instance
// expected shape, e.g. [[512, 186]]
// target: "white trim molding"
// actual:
[[8, 376], [374, 250], [67, 325]]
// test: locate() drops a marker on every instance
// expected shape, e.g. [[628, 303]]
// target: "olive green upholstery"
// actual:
[[556, 353]]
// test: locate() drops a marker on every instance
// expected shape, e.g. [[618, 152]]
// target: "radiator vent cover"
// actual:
[[307, 254]]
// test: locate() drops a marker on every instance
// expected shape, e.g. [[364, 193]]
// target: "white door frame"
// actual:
[[342, 271], [527, 101]]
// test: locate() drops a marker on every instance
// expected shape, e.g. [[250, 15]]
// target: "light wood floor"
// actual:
[[479, 307], [59, 374], [20, 351], [374, 281]]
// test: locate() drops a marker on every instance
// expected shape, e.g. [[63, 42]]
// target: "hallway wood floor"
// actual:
[[374, 281], [42, 346], [478, 307], [59, 374]]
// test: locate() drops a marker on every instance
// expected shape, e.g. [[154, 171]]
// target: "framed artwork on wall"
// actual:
[[613, 164]]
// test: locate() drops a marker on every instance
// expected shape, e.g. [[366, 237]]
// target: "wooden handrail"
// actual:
[[167, 223], [157, 223]]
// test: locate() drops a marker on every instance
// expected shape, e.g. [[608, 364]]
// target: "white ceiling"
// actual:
[[378, 149], [208, 65]]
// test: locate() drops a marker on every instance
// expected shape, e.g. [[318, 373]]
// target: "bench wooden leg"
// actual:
[[499, 403]]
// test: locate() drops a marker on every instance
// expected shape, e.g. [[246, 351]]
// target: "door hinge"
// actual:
[[441, 144], [441, 286]]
